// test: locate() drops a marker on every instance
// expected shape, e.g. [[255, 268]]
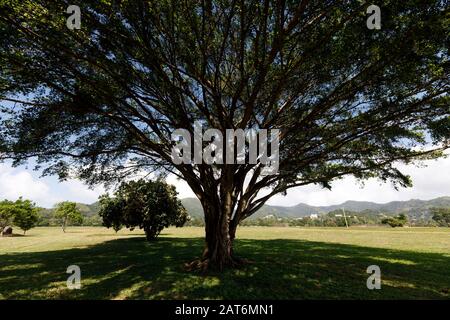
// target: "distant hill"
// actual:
[[414, 208], [88, 210]]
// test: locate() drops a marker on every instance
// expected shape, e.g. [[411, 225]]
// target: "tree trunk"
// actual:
[[218, 248], [222, 215], [218, 252]]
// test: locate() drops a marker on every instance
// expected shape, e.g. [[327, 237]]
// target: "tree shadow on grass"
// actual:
[[132, 268]]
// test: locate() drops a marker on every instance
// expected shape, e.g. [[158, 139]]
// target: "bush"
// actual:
[[441, 216], [398, 221]]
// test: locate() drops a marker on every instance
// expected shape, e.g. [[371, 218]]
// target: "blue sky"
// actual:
[[429, 182]]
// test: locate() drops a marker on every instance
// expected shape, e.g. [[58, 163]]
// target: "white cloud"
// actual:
[[16, 183], [20, 182], [76, 190], [429, 182]]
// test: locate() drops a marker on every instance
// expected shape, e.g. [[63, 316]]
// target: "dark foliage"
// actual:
[[441, 216], [102, 102], [149, 205]]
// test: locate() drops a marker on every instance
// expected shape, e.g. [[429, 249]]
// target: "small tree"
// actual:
[[441, 216], [25, 214], [67, 212], [149, 205]]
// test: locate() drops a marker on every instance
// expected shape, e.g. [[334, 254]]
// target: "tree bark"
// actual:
[[64, 224], [223, 212], [218, 252], [218, 248]]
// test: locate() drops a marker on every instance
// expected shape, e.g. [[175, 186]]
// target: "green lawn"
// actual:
[[294, 263]]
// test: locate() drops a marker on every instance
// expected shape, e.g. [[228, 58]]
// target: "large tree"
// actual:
[[101, 102]]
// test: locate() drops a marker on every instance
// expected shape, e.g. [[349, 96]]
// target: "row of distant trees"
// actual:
[[148, 205], [440, 217], [153, 206], [24, 214], [47, 219]]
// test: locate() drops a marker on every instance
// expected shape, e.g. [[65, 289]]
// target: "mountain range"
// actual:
[[414, 208]]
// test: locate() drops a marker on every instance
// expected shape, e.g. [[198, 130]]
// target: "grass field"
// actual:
[[286, 263]]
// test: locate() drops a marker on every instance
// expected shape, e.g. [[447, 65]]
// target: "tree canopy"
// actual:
[[149, 205], [25, 214], [100, 103], [67, 213], [6, 213], [21, 213]]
